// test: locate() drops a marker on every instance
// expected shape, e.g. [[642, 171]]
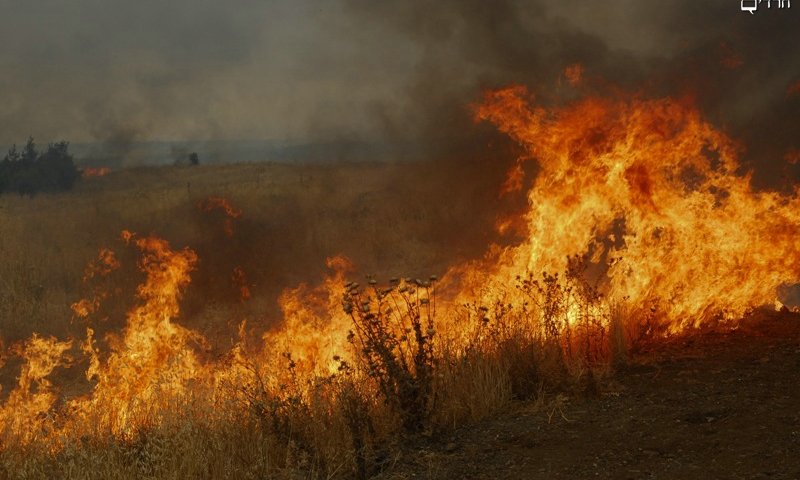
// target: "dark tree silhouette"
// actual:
[[194, 159], [29, 171]]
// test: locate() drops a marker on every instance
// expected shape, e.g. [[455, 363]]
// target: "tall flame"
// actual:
[[24, 414], [652, 192], [153, 358]]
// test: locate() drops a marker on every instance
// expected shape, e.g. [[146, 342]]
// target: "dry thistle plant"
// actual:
[[394, 332]]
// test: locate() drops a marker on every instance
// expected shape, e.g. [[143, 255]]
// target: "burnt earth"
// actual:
[[714, 405]]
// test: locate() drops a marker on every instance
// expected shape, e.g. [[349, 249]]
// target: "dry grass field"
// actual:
[[284, 223], [292, 218], [337, 320]]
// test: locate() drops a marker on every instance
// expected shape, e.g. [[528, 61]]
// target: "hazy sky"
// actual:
[[298, 70], [190, 69]]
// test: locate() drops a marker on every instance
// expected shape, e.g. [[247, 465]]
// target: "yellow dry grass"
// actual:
[[293, 217]]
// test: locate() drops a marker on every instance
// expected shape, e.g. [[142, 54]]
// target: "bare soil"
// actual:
[[711, 405]]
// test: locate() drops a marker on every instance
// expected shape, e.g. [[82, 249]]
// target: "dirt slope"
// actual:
[[719, 405]]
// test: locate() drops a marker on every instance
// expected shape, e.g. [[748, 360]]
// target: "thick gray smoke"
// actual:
[[120, 72], [739, 67]]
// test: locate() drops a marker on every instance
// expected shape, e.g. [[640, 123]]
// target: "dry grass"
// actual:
[[342, 431], [348, 425], [293, 218]]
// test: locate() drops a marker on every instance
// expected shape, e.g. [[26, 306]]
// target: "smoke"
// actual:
[[738, 67], [115, 71], [301, 71], [355, 72], [464, 48]]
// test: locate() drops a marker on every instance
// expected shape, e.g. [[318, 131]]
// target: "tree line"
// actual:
[[29, 171]]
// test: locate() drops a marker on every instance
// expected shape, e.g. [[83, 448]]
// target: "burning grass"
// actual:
[[265, 411], [640, 226]]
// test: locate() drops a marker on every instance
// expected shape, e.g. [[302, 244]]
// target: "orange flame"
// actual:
[[218, 203], [105, 263], [152, 360], [213, 203], [574, 74], [314, 327], [792, 157], [23, 415], [88, 172], [239, 279], [649, 189], [730, 58]]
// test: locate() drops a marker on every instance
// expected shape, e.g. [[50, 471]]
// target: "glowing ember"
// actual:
[[218, 203], [794, 89], [89, 172], [239, 279], [574, 74], [792, 157]]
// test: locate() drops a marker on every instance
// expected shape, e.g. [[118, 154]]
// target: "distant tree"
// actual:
[[29, 171], [194, 159]]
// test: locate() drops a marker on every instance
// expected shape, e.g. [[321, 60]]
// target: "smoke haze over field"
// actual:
[[119, 72]]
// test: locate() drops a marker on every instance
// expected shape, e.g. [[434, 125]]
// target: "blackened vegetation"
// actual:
[[30, 171]]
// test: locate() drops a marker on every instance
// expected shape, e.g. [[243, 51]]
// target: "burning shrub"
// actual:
[[393, 331]]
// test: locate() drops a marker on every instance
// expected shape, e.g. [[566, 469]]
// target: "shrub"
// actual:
[[394, 333]]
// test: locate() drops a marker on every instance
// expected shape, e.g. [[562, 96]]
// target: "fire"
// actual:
[[636, 201], [152, 359], [239, 279], [218, 203], [105, 263], [731, 59], [649, 193], [793, 89], [792, 157], [213, 203], [574, 74], [88, 172], [24, 414], [314, 327]]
